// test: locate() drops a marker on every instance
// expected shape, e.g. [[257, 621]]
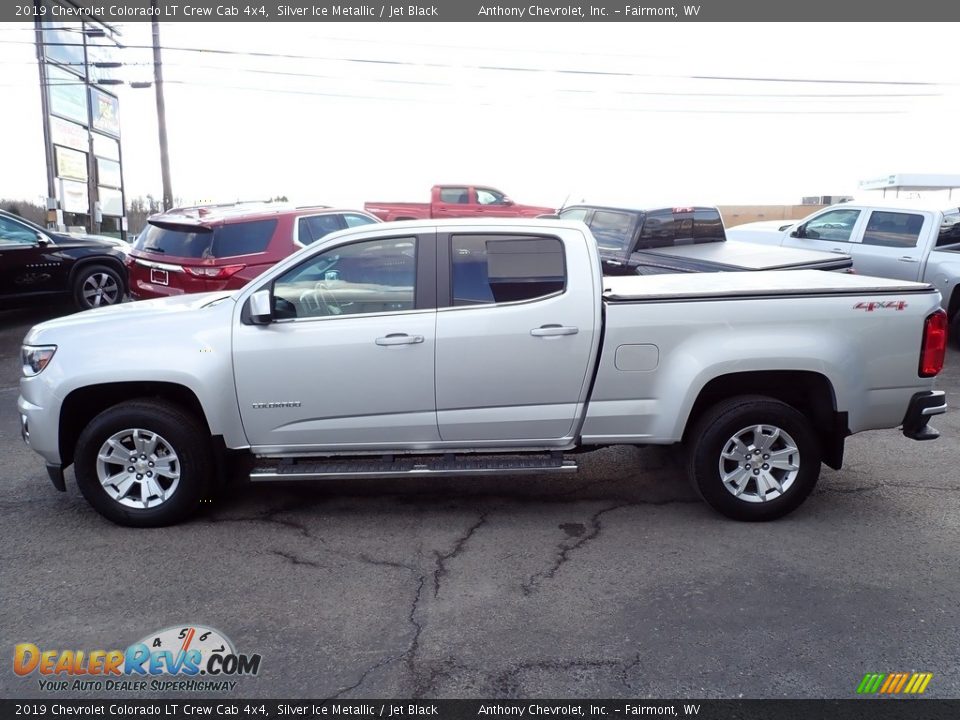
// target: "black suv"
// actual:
[[37, 264]]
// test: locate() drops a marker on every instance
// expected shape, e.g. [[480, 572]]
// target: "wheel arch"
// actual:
[[112, 262], [83, 404], [953, 305], [811, 393]]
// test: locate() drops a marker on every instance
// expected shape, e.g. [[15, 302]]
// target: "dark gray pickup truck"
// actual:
[[685, 239]]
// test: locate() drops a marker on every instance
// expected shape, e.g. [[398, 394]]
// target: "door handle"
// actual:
[[399, 339], [613, 262], [839, 250], [907, 258], [554, 330]]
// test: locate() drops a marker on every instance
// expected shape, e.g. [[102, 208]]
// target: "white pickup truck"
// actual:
[[901, 239], [467, 347]]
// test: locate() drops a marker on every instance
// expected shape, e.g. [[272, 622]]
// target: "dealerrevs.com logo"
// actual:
[[187, 658]]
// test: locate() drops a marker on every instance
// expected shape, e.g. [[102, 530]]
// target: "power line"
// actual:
[[508, 68], [692, 111]]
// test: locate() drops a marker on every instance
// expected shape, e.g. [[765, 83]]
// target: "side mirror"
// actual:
[[261, 312], [42, 240], [507, 201], [797, 232]]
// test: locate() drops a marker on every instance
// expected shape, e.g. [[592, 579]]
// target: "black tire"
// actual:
[[90, 278], [716, 428], [953, 334], [186, 437]]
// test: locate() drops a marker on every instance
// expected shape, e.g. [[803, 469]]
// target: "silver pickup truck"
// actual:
[[900, 239], [471, 347]]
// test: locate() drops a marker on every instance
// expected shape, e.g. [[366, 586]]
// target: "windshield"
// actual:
[[194, 241]]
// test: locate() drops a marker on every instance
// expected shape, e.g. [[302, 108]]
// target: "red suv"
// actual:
[[223, 247]]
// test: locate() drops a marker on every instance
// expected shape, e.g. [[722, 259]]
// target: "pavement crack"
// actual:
[[459, 545], [564, 550], [271, 516], [409, 654], [627, 669], [295, 559]]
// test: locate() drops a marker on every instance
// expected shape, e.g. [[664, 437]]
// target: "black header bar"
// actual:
[[478, 11], [176, 708]]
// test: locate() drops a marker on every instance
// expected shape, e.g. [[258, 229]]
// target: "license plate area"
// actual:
[[159, 277]]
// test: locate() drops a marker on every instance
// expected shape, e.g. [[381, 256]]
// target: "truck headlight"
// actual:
[[36, 357]]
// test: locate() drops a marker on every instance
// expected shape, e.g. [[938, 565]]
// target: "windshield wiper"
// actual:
[[154, 249]]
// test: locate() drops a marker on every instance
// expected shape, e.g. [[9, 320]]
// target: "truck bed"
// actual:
[[736, 255], [752, 284]]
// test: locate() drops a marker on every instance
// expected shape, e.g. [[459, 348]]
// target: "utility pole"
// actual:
[[45, 108], [161, 113]]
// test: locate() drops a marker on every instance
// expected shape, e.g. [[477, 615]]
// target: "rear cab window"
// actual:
[[489, 269], [680, 226], [893, 229], [201, 242]]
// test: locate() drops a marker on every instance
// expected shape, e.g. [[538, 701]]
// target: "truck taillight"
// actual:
[[214, 273], [934, 345]]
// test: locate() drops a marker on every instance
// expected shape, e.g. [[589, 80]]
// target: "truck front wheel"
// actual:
[[753, 458], [144, 463]]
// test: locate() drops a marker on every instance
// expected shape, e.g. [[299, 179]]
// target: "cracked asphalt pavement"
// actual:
[[615, 582]]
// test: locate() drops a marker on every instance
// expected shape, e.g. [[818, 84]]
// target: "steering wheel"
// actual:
[[328, 301]]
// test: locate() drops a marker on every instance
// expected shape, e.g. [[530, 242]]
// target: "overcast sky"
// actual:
[[608, 112]]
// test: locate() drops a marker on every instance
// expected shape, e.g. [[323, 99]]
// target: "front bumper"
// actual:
[[923, 406], [37, 431]]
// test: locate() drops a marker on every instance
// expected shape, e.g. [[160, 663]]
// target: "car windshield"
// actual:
[[195, 241]]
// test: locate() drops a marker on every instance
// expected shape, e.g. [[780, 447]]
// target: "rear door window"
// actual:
[[893, 229], [497, 269], [455, 195]]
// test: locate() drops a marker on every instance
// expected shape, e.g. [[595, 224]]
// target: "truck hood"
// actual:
[[748, 256], [137, 316], [751, 284]]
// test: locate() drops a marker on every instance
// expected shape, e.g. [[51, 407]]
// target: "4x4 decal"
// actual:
[[876, 305]]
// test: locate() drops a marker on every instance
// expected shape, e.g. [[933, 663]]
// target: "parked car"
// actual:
[[38, 265], [223, 247], [455, 201], [476, 347], [683, 239], [903, 239]]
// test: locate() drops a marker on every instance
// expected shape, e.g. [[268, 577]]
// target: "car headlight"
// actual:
[[36, 357]]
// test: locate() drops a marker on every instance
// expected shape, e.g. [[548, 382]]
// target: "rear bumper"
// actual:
[[923, 406]]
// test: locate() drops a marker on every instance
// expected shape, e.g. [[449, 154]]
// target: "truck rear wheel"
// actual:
[[753, 458], [144, 463]]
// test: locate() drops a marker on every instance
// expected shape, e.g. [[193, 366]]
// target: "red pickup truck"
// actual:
[[456, 201]]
